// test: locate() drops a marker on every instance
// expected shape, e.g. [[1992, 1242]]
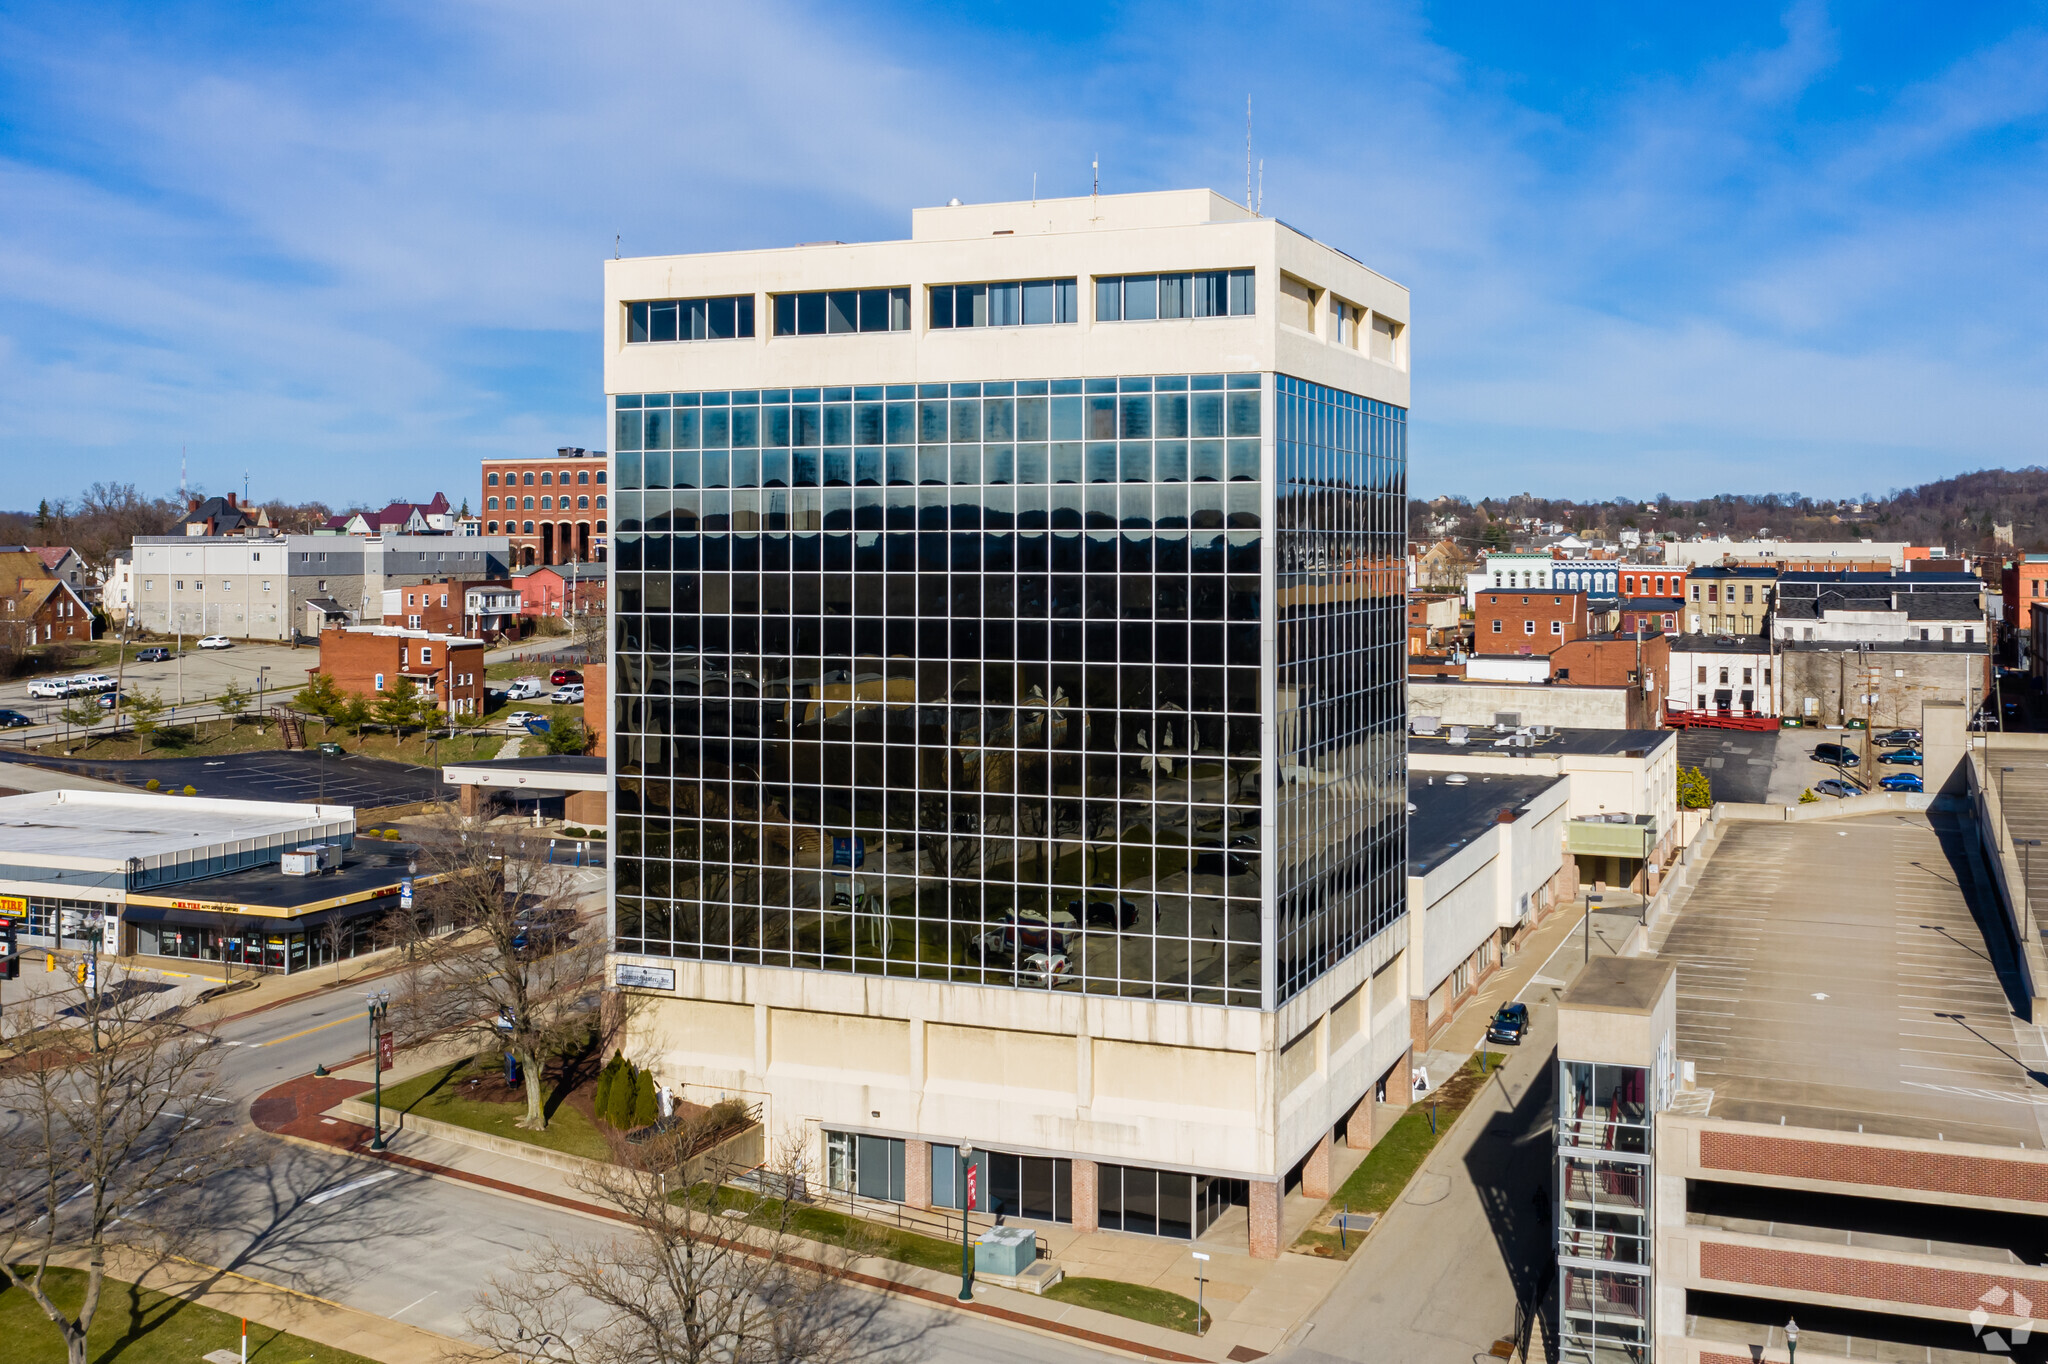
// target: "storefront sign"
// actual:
[[849, 852], [206, 905], [14, 906], [646, 977]]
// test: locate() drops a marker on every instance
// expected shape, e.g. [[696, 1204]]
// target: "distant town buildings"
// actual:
[[551, 510]]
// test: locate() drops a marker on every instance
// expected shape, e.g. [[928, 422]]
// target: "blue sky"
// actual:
[[351, 248]]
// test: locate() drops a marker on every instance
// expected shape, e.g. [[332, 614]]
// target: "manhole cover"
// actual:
[[1430, 1189]]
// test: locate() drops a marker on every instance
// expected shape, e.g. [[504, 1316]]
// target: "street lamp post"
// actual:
[[1791, 1341], [380, 1006], [966, 1202]]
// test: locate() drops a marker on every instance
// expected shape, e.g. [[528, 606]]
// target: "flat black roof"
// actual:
[[368, 867], [1450, 816], [1577, 742]]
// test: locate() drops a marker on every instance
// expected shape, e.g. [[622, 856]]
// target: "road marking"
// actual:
[[409, 1306], [350, 1187], [305, 1032]]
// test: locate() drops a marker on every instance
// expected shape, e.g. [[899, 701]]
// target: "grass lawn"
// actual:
[[212, 738], [1136, 1301], [447, 1094], [1394, 1159], [845, 1231], [137, 1326]]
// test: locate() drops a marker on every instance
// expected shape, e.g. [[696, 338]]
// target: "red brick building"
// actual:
[[568, 591], [1652, 580], [1615, 661], [555, 509], [1534, 622], [480, 610], [36, 606], [369, 660]]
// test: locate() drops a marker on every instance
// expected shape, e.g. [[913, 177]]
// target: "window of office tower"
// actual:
[[957, 681]]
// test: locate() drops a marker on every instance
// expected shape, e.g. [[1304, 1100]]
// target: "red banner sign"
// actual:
[[972, 1171], [384, 1050]]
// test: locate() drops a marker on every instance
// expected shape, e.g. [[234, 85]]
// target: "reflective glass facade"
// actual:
[[1340, 514], [975, 682]]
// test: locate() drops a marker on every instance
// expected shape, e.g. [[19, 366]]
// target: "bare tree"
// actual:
[[692, 1279], [107, 1138], [499, 958]]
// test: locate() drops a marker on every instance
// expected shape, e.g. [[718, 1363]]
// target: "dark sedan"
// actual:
[[13, 719], [1509, 1024]]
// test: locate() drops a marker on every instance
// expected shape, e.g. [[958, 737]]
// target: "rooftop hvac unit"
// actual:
[[311, 860], [1459, 734], [1522, 741], [1540, 731], [1507, 719], [1423, 724]]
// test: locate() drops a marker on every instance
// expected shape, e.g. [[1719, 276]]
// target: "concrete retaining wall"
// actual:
[[742, 1151]]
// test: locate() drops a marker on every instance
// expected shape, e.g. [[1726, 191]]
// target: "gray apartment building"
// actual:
[[257, 586], [1008, 682]]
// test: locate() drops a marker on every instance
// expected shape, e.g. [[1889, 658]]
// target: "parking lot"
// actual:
[[183, 683], [304, 775]]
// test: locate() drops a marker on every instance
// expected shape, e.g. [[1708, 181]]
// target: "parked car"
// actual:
[[216, 642], [1898, 738], [49, 688], [1211, 860], [1510, 1022], [13, 719], [92, 682], [1902, 781], [110, 700], [1835, 755], [562, 675], [541, 929], [331, 749], [524, 689], [1104, 913], [569, 695], [154, 655], [1043, 968], [519, 719], [1835, 786], [1905, 757]]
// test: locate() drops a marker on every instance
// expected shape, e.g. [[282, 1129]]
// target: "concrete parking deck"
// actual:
[[1838, 974]]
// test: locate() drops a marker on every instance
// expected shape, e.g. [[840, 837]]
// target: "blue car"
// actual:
[[1902, 781], [1906, 757]]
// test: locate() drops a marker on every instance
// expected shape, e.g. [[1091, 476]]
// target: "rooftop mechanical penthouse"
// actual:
[[1008, 674]]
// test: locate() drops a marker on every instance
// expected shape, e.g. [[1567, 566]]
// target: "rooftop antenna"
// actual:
[[615, 245], [1096, 166], [245, 487], [1248, 152]]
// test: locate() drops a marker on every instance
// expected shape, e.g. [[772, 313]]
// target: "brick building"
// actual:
[[369, 660], [572, 590], [1652, 580], [1652, 614], [554, 509], [1614, 661], [1527, 622], [481, 610]]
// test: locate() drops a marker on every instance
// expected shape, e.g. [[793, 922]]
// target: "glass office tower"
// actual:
[[987, 682], [1007, 701]]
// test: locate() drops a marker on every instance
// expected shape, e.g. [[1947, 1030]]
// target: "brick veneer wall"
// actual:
[[1883, 1166], [1840, 1276]]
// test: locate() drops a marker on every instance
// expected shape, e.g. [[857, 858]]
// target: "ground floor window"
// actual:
[[64, 922], [1037, 1187], [1163, 1202], [314, 945], [871, 1167]]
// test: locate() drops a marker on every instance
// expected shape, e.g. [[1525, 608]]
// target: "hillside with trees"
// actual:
[[1958, 513]]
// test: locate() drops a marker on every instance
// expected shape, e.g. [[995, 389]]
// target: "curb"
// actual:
[[929, 1296]]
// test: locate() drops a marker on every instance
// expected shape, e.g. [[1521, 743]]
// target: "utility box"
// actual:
[[1005, 1250], [312, 859]]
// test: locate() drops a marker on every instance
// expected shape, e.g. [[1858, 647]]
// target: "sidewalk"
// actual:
[[1467, 1027], [286, 1309], [258, 990], [304, 1110]]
